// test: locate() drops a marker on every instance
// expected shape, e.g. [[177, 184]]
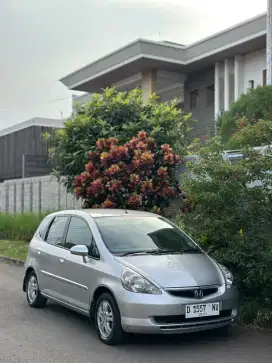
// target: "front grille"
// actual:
[[190, 292], [177, 319]]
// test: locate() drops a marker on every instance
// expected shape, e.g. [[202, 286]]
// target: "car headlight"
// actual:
[[228, 275], [134, 282]]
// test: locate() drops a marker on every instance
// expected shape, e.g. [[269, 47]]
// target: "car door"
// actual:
[[51, 257], [79, 274]]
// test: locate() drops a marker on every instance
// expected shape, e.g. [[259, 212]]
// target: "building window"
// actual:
[[210, 95], [194, 99], [264, 77], [251, 84]]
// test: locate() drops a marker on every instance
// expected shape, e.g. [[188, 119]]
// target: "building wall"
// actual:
[[254, 64], [27, 141], [203, 113], [171, 85], [251, 67], [85, 98]]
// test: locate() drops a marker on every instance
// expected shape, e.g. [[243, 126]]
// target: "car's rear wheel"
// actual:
[[108, 321], [33, 295]]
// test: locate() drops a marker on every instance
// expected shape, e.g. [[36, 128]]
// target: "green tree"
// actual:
[[230, 214], [115, 114], [252, 135], [253, 106]]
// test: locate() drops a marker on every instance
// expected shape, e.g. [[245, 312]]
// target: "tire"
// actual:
[[107, 312], [33, 295]]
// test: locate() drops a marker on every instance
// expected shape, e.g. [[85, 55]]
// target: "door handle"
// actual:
[[61, 260], [39, 252]]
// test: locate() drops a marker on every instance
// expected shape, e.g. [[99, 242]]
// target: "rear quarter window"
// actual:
[[43, 227]]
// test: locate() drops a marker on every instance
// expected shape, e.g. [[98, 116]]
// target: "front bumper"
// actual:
[[165, 314]]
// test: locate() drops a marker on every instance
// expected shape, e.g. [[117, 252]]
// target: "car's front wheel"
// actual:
[[33, 295], [108, 321]]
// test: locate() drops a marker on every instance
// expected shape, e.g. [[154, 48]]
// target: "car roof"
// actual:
[[116, 212], [106, 212]]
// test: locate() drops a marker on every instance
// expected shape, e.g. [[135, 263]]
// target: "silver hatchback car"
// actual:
[[130, 271]]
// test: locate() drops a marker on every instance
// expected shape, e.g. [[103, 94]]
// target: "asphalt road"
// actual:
[[56, 335]]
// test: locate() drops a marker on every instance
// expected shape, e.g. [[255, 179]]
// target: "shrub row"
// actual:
[[229, 212]]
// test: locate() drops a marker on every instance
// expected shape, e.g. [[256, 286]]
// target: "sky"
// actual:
[[42, 41]]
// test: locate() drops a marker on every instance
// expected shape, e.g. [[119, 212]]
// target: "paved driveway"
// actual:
[[56, 335]]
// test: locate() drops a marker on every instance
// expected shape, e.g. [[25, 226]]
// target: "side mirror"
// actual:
[[80, 250]]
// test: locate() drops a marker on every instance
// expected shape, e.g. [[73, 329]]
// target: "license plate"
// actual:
[[199, 310]]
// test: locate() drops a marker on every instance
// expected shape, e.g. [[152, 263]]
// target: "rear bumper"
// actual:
[[165, 314]]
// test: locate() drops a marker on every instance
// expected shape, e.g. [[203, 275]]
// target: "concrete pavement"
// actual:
[[56, 335]]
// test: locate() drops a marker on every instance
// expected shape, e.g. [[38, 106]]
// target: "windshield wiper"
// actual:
[[191, 250], [161, 252], [176, 252], [143, 252]]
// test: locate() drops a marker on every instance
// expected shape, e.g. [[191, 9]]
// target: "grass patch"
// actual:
[[19, 227], [14, 249]]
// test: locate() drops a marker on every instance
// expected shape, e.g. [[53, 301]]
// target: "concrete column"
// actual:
[[148, 84], [269, 43], [6, 198], [238, 76], [216, 90], [226, 85]]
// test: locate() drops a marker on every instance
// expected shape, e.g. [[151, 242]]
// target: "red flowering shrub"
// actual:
[[136, 175]]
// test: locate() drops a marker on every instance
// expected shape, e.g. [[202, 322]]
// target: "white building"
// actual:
[[206, 76]]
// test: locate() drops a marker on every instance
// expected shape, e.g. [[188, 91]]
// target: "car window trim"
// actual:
[[92, 241]]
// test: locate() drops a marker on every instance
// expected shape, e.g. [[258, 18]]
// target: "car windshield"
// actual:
[[131, 235]]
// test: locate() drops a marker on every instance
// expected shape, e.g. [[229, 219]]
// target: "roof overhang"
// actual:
[[131, 59], [36, 121], [142, 55]]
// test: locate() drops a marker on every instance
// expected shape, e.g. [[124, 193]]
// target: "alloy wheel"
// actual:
[[32, 289], [105, 319]]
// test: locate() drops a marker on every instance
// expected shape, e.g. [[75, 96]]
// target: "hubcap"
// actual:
[[105, 319], [32, 289]]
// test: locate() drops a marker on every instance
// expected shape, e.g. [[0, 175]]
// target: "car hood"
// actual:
[[174, 271]]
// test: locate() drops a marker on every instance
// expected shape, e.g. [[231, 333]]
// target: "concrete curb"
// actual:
[[14, 261]]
